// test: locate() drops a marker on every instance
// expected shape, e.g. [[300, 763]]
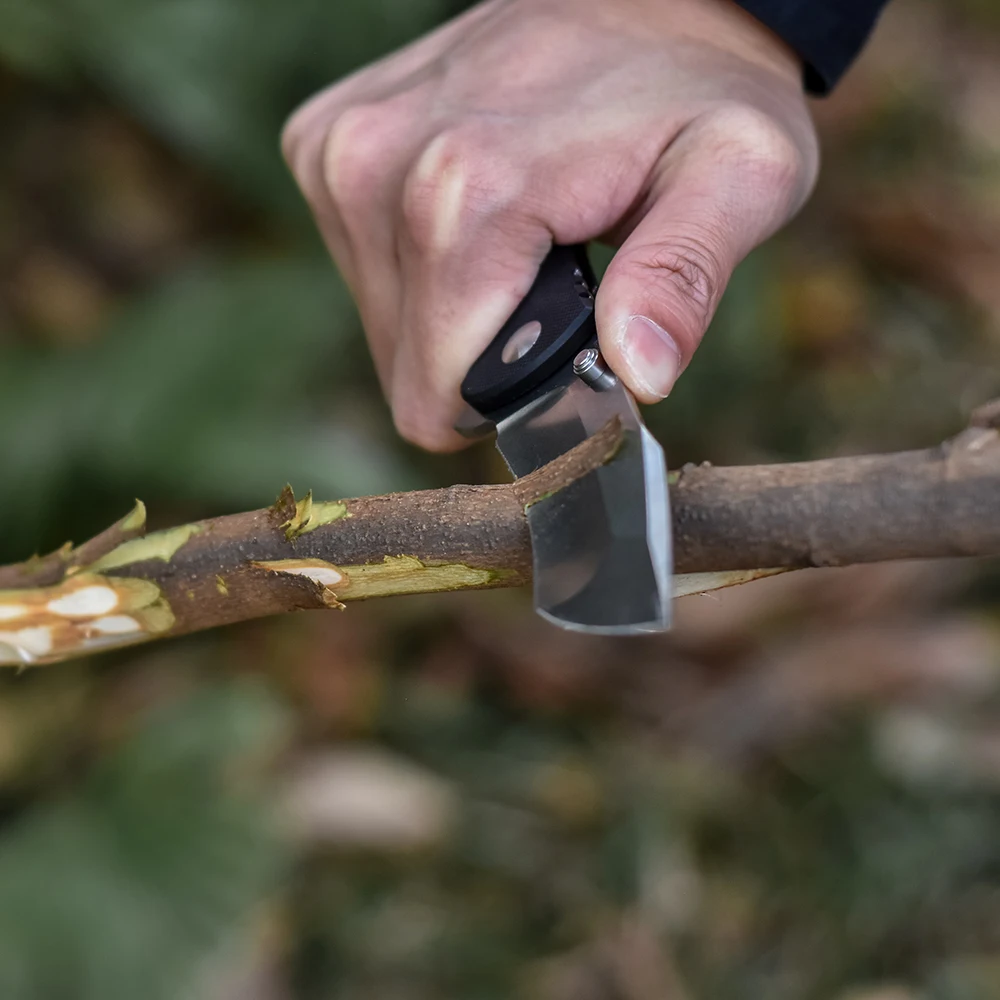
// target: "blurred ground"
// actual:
[[795, 796]]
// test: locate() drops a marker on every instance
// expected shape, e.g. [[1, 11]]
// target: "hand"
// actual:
[[440, 176]]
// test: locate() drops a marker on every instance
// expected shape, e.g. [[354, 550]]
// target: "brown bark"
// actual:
[[122, 588], [940, 502]]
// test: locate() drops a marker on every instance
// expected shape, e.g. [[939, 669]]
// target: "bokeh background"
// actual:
[[795, 796]]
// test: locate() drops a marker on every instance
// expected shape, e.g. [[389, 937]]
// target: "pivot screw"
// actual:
[[589, 366]]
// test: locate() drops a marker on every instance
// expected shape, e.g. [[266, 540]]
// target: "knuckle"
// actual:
[[765, 146], [436, 190], [688, 272], [297, 129], [352, 148], [455, 179], [301, 148], [678, 283], [302, 134]]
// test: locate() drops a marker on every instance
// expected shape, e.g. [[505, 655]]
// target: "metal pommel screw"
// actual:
[[590, 368]]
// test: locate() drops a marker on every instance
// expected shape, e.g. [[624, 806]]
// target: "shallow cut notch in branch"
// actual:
[[125, 587]]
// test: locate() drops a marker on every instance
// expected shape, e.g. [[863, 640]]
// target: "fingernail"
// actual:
[[652, 355]]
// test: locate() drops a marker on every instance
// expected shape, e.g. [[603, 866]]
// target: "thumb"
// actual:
[[724, 186]]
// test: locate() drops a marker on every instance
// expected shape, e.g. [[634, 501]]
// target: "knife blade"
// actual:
[[601, 547]]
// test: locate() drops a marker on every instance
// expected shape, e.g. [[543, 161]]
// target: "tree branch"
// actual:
[[731, 524]]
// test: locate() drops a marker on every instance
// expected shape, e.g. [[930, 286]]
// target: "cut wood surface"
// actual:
[[730, 525]]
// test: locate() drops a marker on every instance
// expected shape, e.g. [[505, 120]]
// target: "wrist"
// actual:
[[723, 24]]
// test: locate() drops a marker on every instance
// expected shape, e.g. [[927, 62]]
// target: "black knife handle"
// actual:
[[562, 302]]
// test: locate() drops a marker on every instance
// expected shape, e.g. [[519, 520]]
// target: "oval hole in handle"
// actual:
[[521, 342]]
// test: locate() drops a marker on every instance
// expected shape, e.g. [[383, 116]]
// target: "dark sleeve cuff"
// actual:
[[827, 34]]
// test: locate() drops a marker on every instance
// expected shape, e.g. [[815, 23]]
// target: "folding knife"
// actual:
[[601, 547]]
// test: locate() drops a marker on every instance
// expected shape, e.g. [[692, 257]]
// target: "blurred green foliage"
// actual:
[[734, 813], [201, 388], [125, 885]]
